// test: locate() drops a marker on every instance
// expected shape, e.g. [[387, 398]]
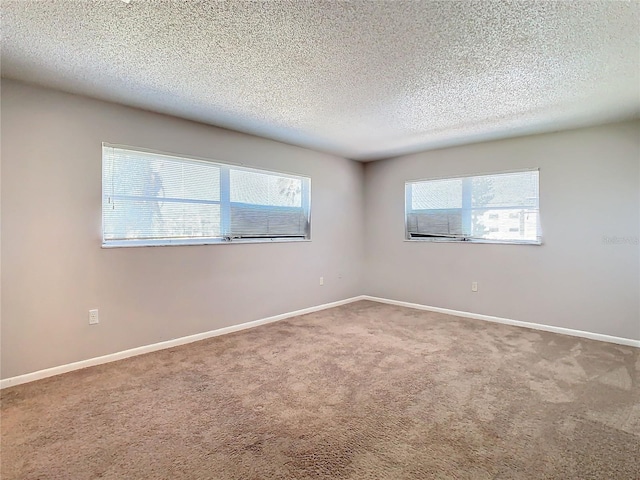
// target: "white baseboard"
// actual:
[[507, 321], [112, 357]]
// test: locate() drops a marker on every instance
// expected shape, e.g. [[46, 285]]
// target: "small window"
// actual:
[[497, 208], [159, 199]]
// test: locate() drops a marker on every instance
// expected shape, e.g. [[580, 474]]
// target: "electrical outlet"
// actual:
[[474, 286], [93, 317], [321, 281]]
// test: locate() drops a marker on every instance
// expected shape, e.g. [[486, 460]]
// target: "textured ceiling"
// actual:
[[361, 79]]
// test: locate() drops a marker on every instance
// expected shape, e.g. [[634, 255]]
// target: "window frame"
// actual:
[[224, 202], [466, 211]]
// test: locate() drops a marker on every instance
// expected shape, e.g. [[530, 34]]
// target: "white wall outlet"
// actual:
[[93, 317], [321, 280], [474, 286]]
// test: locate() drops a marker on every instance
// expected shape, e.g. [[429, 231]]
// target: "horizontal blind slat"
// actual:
[[156, 198], [500, 207]]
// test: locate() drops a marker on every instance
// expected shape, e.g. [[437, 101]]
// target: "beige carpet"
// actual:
[[363, 391]]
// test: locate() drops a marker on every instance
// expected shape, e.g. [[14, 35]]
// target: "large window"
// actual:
[[501, 208], [151, 198]]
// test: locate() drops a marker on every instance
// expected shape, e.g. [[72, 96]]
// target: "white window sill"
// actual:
[[182, 243], [496, 242]]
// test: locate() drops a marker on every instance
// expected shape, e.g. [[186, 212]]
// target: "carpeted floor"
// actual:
[[362, 391]]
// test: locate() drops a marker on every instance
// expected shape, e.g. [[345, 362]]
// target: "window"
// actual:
[[500, 208], [152, 198]]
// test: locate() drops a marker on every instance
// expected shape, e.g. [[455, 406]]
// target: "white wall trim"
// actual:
[[507, 321], [112, 357]]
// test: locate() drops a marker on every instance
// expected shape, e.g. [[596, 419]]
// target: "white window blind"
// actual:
[[502, 207], [158, 199]]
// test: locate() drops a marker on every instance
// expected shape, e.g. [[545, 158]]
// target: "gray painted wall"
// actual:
[[589, 189], [54, 270]]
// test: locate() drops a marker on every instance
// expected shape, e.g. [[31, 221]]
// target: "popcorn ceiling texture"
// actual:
[[361, 79]]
